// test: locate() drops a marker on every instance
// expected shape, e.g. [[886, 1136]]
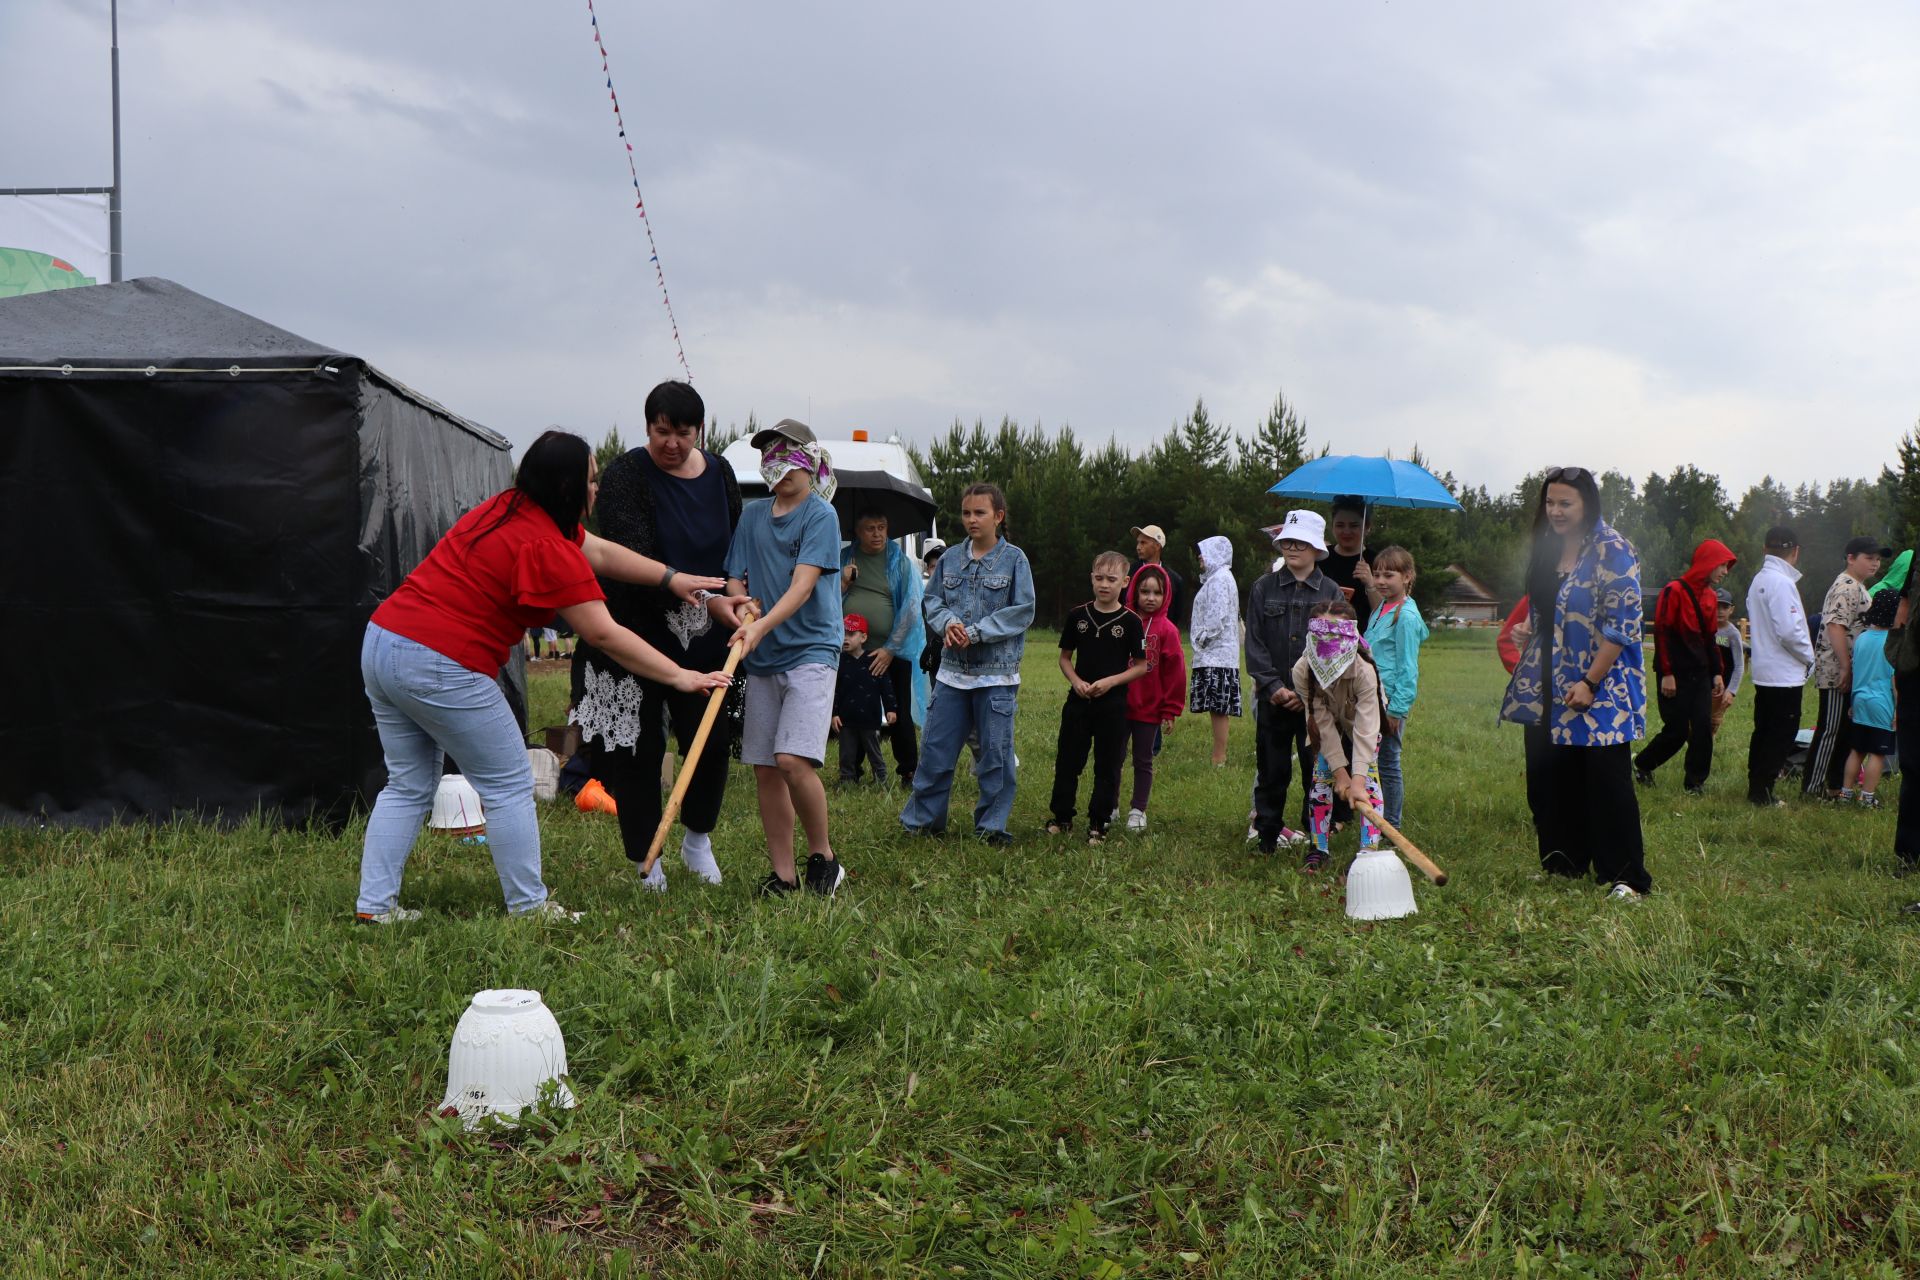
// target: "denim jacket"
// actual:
[[1277, 611], [992, 597]]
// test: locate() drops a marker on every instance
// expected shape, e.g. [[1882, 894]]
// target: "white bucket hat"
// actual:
[[1309, 527]]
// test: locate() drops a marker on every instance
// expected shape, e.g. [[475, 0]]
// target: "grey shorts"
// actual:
[[788, 714]]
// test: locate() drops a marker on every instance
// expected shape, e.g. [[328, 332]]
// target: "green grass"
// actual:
[[1163, 1058]]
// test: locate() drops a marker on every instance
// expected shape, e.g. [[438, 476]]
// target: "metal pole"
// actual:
[[113, 203]]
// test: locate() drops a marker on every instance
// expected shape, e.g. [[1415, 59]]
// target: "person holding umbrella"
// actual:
[[879, 583]]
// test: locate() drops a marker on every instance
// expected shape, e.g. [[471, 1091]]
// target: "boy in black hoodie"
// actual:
[[862, 703], [1276, 616]]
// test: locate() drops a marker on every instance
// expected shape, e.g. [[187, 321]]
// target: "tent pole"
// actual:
[[113, 206]]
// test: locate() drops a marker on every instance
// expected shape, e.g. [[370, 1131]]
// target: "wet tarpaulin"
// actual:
[[199, 511]]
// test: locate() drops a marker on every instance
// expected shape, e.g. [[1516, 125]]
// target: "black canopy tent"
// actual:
[[198, 512]]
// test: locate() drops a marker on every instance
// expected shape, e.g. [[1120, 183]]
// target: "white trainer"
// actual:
[[701, 862], [1136, 820], [549, 912], [656, 880], [392, 915], [1625, 893]]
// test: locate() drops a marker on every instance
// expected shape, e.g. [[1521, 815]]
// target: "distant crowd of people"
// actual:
[[859, 641]]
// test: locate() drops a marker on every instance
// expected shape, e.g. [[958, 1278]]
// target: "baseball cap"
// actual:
[[785, 429], [1865, 546], [931, 549], [1153, 531], [854, 622], [1782, 538]]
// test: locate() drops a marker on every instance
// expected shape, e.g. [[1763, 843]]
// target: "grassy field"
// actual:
[[1166, 1057]]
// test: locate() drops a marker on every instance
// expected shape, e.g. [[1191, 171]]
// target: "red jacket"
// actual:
[[1509, 651], [1688, 614], [1161, 694]]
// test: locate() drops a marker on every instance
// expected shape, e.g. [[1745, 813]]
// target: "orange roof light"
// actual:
[[859, 435]]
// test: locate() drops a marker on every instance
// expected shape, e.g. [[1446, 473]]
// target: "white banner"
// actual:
[[52, 242]]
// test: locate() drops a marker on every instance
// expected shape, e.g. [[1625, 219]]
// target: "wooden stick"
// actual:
[[719, 698], [1406, 846]]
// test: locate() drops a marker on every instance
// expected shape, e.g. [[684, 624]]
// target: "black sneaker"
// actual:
[[774, 887], [1697, 793], [993, 839], [824, 874], [1642, 777], [1906, 869]]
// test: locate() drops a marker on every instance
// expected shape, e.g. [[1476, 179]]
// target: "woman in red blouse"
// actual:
[[433, 647]]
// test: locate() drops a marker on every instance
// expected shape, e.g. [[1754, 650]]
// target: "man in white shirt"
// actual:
[[1782, 659]]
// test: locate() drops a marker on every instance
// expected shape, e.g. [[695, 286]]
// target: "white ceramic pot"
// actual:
[[506, 1047], [1378, 887], [456, 807]]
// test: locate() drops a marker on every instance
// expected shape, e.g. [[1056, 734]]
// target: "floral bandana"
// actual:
[[811, 458], [1332, 645]]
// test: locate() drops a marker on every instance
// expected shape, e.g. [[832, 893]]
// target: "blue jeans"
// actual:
[[425, 704], [1393, 787], [952, 716]]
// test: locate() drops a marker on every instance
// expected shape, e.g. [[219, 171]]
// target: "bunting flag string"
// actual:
[[639, 201]]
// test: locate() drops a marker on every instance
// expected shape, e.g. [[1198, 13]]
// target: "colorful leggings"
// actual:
[[1320, 804]]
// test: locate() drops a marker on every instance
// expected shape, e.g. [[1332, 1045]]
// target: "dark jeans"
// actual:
[[1776, 718], [1146, 745], [906, 743], [859, 745], [1099, 724], [1906, 733], [1280, 738], [1827, 756], [632, 776], [1686, 719], [1585, 812]]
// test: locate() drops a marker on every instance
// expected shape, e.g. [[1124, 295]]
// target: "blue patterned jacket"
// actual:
[[1598, 601]]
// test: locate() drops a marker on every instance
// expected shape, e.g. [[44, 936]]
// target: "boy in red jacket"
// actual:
[[1157, 697], [1686, 655]]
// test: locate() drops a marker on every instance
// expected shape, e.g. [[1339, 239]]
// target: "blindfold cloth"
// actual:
[[810, 458], [1332, 645]]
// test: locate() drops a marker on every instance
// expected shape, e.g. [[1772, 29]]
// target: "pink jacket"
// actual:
[[1161, 694]]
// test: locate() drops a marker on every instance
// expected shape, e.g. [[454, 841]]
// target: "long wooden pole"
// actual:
[[719, 698], [1406, 846]]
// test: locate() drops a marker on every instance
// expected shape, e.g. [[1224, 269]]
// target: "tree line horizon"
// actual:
[[1069, 499]]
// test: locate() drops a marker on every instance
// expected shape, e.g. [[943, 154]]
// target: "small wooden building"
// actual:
[[1469, 599]]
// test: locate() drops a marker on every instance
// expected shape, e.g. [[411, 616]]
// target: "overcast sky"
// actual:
[[1517, 234]]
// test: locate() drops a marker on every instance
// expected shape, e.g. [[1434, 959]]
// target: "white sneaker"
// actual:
[[392, 915], [549, 912], [701, 863], [1253, 835], [1136, 820], [656, 880], [1625, 893]]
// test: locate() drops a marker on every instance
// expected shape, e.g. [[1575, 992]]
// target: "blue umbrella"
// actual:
[[1382, 482]]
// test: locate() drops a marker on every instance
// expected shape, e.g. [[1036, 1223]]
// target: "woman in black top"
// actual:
[[679, 504]]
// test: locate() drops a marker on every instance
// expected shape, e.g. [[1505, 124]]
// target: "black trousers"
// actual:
[[1585, 813], [1686, 719], [906, 743], [859, 746], [632, 775], [1827, 756], [1096, 724], [1906, 740], [1279, 738], [1776, 718]]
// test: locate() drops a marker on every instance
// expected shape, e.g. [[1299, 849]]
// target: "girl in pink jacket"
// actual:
[[1156, 698]]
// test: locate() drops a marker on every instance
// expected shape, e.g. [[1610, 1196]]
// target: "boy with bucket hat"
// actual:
[[1277, 611]]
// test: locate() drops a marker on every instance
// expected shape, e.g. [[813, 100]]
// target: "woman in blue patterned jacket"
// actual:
[[1579, 689]]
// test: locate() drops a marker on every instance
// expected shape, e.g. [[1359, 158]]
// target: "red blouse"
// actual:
[[474, 597]]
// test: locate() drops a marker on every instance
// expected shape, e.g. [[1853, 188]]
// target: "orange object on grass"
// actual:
[[593, 798]]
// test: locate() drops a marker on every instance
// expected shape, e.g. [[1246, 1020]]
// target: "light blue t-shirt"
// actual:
[[766, 549], [1872, 681]]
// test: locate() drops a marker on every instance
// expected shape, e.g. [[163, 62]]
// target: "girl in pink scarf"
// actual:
[[1341, 687]]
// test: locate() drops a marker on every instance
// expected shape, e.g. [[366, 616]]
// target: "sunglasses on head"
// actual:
[[1567, 475]]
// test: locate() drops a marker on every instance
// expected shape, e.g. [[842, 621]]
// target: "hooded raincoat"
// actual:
[[1216, 608], [1686, 617], [1161, 694]]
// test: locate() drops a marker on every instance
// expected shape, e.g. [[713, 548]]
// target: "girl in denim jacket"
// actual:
[[980, 602]]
